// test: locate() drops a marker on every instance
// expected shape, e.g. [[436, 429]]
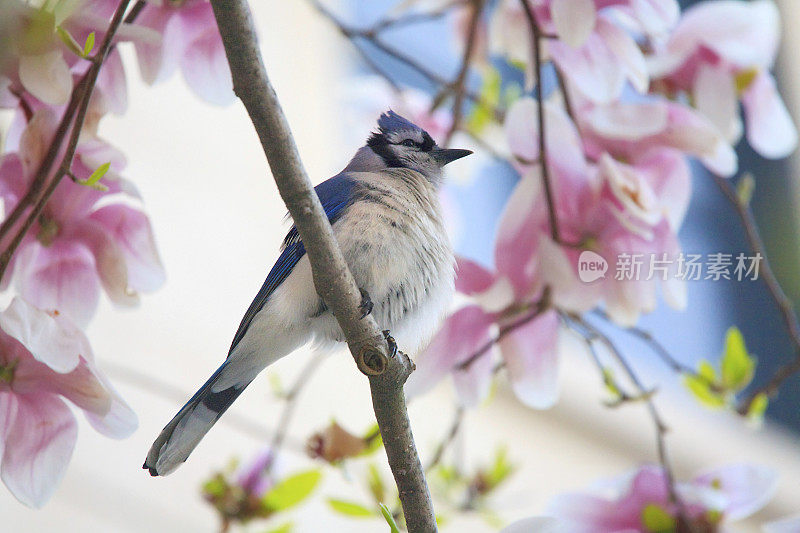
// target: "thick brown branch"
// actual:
[[332, 278]]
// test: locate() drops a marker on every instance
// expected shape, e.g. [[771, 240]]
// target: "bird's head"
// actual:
[[399, 143]]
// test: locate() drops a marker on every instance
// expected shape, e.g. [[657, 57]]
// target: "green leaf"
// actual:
[[656, 520], [373, 439], [387, 515], [93, 181], [349, 508], [88, 46], [292, 490], [610, 383], [745, 188], [706, 371], [737, 365], [758, 407], [375, 483], [501, 468], [702, 391], [288, 527], [482, 113], [70, 41], [216, 486]]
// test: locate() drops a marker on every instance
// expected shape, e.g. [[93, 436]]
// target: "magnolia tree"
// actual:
[[588, 238]]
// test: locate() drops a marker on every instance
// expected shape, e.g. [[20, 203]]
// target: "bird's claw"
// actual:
[[366, 304], [391, 342]]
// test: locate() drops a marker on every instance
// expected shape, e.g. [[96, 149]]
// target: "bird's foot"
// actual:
[[391, 342], [366, 303]]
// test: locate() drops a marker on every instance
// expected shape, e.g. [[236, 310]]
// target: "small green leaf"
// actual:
[[482, 113], [758, 407], [387, 515], [706, 371], [375, 483], [610, 383], [656, 520], [701, 389], [737, 365], [745, 188], [292, 490], [501, 468], [88, 46], [349, 508], [373, 439], [93, 181], [69, 40], [216, 486], [288, 527]]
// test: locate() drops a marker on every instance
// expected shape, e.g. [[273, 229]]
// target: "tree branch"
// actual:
[[332, 279], [781, 300], [460, 84], [536, 51]]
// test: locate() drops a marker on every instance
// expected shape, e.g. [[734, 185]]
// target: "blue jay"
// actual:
[[388, 223]]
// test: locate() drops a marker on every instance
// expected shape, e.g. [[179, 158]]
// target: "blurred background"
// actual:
[[219, 221]]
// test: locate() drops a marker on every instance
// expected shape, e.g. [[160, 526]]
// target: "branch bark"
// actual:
[[332, 278]]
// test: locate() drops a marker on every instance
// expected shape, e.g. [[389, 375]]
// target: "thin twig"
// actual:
[[415, 18], [539, 307], [333, 280], [592, 334], [781, 300], [290, 404], [450, 436], [459, 85], [537, 59], [154, 385], [84, 90]]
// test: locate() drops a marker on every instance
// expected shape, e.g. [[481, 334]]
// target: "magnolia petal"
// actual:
[[558, 273], [574, 20], [131, 231], [531, 360], [59, 277], [43, 336], [770, 129], [158, 59], [36, 138], [624, 47], [461, 335], [657, 17], [13, 184], [472, 278], [205, 68], [746, 488], [473, 384], [715, 97], [38, 447], [521, 128], [629, 121], [46, 76], [109, 261], [518, 232], [111, 81], [723, 160], [593, 68]]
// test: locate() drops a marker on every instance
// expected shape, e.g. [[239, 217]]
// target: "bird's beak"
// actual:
[[448, 155]]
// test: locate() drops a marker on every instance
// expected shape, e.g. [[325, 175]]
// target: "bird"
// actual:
[[387, 220]]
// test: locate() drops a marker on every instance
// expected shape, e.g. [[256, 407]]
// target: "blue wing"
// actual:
[[335, 194]]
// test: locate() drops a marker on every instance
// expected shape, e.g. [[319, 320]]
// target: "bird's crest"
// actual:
[[390, 122]]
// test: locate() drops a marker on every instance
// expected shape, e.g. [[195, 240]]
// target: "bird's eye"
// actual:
[[409, 142]]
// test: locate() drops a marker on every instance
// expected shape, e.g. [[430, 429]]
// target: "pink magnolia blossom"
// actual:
[[45, 359], [189, 40], [78, 244], [722, 64], [602, 205], [710, 500], [253, 477], [592, 48]]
